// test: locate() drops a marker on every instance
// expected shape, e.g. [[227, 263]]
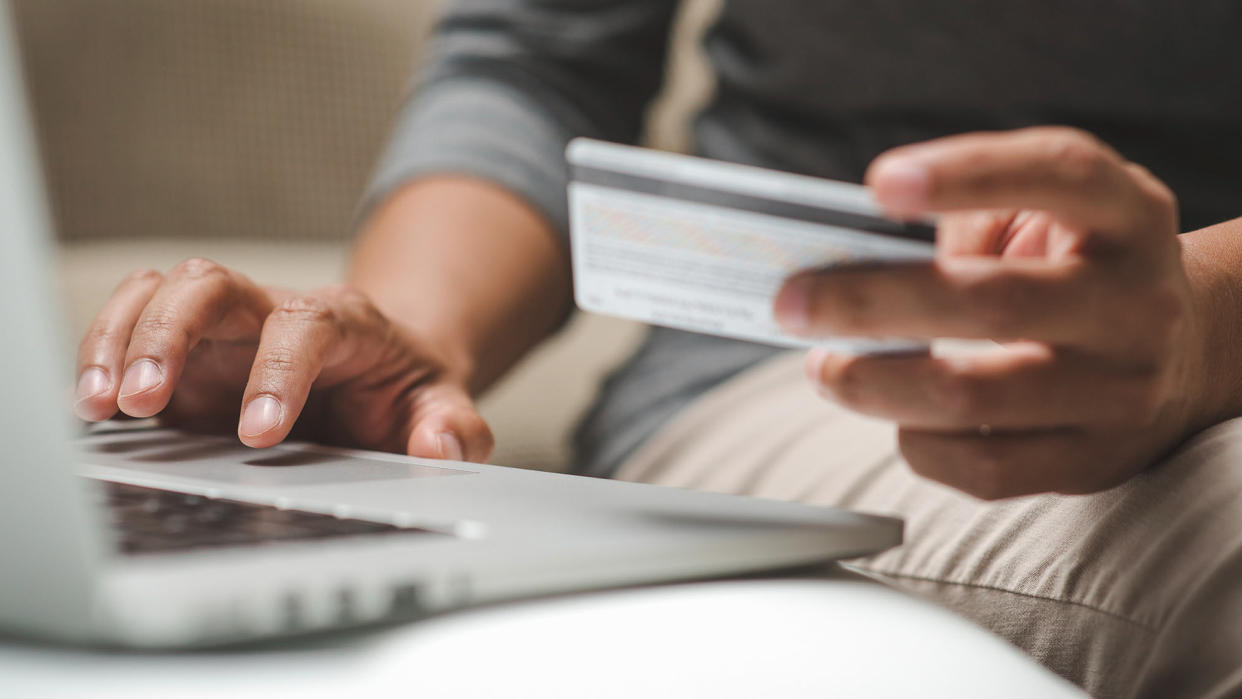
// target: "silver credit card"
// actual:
[[704, 246]]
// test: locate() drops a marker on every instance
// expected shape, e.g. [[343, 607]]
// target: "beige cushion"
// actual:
[[215, 118]]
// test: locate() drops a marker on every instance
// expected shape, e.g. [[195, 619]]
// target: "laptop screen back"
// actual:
[[47, 536]]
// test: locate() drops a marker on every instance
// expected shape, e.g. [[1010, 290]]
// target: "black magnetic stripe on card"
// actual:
[[911, 230]]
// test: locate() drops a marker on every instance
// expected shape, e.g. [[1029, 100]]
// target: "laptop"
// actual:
[[138, 536]]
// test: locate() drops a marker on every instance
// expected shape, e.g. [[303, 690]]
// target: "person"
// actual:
[[1084, 162]]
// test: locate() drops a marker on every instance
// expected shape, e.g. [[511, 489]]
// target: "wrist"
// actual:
[[1212, 258], [469, 268], [456, 356], [447, 349]]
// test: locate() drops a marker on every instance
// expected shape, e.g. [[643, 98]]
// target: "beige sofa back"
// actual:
[[214, 118]]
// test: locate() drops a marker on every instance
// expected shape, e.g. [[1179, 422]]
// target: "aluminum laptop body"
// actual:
[[358, 537]]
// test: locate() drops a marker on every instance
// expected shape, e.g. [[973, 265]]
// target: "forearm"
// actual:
[[479, 266], [1213, 259], [466, 266]]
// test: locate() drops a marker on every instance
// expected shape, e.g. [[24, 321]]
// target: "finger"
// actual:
[[1070, 302], [1032, 234], [973, 232], [197, 297], [1011, 465], [299, 338], [102, 350], [1063, 171], [1015, 388], [1005, 233], [968, 297], [446, 425]]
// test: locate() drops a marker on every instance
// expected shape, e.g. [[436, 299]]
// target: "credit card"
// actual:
[[704, 246]]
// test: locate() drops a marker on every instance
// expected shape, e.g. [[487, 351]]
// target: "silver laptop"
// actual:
[[154, 538]]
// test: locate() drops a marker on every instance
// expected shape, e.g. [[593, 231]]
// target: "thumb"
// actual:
[[446, 425]]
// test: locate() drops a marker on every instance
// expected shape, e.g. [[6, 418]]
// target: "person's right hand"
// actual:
[[203, 344]]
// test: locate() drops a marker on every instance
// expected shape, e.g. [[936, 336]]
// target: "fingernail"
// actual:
[[260, 415], [903, 186], [793, 303], [450, 447], [93, 382], [815, 364], [141, 376]]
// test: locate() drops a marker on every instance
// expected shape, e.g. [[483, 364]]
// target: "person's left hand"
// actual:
[[1053, 244]]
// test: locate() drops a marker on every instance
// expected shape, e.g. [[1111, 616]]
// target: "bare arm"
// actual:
[[465, 244], [468, 266], [1213, 259]]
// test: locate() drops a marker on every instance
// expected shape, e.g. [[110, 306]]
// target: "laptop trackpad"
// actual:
[[227, 461]]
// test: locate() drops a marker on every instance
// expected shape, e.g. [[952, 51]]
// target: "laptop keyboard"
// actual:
[[150, 520]]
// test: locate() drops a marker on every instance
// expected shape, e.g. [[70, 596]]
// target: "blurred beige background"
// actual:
[[245, 132]]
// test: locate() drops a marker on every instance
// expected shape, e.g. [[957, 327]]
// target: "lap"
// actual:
[[1135, 591]]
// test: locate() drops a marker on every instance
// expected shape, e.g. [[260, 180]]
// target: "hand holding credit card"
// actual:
[[704, 246]]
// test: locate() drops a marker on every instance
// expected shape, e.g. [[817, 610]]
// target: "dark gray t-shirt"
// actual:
[[818, 87]]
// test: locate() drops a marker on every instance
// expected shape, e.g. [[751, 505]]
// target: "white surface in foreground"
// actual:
[[773, 638]]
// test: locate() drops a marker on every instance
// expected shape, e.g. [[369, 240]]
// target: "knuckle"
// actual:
[[352, 304], [279, 360], [196, 268], [1056, 135], [159, 324], [1164, 200], [305, 309], [100, 334], [844, 380], [1078, 156], [142, 276], [1066, 134], [1161, 200]]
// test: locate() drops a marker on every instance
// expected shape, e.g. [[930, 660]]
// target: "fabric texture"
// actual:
[[1134, 592], [818, 87], [214, 120]]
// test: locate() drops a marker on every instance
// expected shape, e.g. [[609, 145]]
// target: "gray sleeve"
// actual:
[[510, 82]]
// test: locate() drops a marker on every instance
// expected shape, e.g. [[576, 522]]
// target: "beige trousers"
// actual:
[[1133, 592]]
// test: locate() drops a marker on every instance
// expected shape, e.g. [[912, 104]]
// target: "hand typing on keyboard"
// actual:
[[201, 342]]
